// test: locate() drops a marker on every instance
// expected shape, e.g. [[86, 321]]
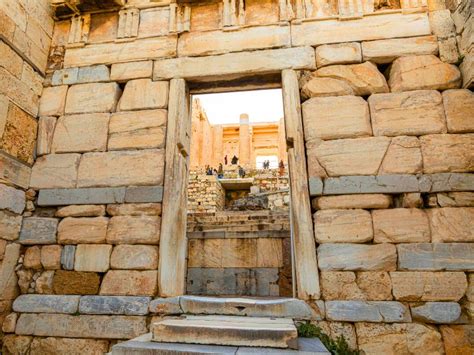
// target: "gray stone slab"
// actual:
[[67, 257], [86, 196], [166, 306], [446, 182], [367, 311], [82, 75], [65, 76], [12, 199], [370, 184], [46, 304], [117, 305], [144, 194], [315, 186], [436, 256], [38, 230], [436, 312], [306, 346]]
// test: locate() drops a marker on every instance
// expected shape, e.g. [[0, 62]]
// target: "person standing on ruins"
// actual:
[[225, 160], [234, 160], [220, 171], [281, 166]]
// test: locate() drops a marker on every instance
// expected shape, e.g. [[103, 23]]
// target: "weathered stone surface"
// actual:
[[134, 230], [339, 329], [439, 256], [428, 286], [441, 23], [61, 197], [32, 259], [81, 75], [353, 257], [135, 209], [134, 99], [46, 304], [44, 283], [81, 211], [451, 224], [10, 226], [137, 130], [67, 257], [367, 311], [455, 199], [436, 312], [403, 156], [134, 257], [408, 113], [117, 305], [447, 153], [82, 230], [38, 230], [61, 325], [424, 72], [133, 70], [121, 168], [343, 53], [53, 100], [459, 108], [9, 323], [336, 117], [467, 71], [55, 171], [371, 184], [51, 257], [144, 194], [15, 344], [89, 98], [12, 199], [19, 92], [81, 133], [14, 172], [75, 283], [316, 86], [92, 257], [8, 277], [46, 127], [129, 283], [170, 305], [343, 226], [446, 182], [457, 339], [366, 201], [69, 346], [401, 225], [387, 50]]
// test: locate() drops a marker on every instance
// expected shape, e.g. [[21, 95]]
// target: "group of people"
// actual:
[[266, 164], [241, 171]]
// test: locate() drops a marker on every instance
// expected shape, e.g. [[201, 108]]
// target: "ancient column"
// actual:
[[281, 141], [244, 140]]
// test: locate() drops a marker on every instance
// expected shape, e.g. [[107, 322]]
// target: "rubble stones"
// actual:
[[51, 345], [51, 257], [10, 226]]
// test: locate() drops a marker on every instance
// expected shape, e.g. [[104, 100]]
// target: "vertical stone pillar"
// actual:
[[79, 31], [218, 145], [281, 141], [128, 23], [244, 140]]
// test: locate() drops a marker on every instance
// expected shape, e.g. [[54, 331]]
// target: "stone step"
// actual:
[[227, 330]]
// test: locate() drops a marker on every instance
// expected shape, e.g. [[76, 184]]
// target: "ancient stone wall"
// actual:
[[205, 193]]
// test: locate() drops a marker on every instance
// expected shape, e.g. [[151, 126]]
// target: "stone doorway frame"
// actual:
[[173, 240]]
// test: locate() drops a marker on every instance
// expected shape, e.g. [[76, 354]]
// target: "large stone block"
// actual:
[[459, 108], [81, 211], [14, 172], [315, 86], [133, 70], [19, 92], [436, 312], [447, 153], [451, 224], [134, 257], [10, 226], [53, 101], [51, 345], [82, 230], [424, 72], [457, 338], [12, 200], [446, 182], [145, 194], [117, 305], [143, 94], [134, 230], [61, 197], [403, 156], [82, 75], [38, 230], [92, 257], [75, 283], [367, 311], [130, 283], [353, 257], [46, 304], [135, 209], [55, 171], [51, 257], [8, 276], [442, 24], [455, 199], [89, 98], [46, 127], [401, 225], [409, 113], [81, 133], [343, 226], [121, 168], [365, 201], [343, 53], [336, 117], [371, 184]]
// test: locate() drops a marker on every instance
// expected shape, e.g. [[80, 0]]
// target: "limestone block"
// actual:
[[130, 306], [170, 305], [10, 60], [53, 101], [144, 194], [459, 108], [134, 230], [129, 283], [81, 211], [142, 94], [269, 253], [32, 258], [67, 257], [447, 153], [448, 50], [10, 226], [19, 92], [14, 172], [8, 277], [46, 127], [339, 329], [387, 50], [82, 75], [436, 312], [321, 87], [51, 257], [365, 201], [55, 171], [467, 71], [365, 78], [343, 53], [121, 168], [81, 133], [403, 157], [12, 199], [343, 226], [137, 130], [445, 182], [423, 72], [438, 256], [46, 304], [98, 195], [408, 113], [353, 257], [451, 224], [44, 283], [9, 323], [367, 311], [135, 209], [89, 98], [401, 225], [455, 199], [75, 283], [134, 257], [82, 230], [457, 339], [134, 70], [51, 345], [359, 156], [442, 24], [92, 257], [336, 117], [38, 230]]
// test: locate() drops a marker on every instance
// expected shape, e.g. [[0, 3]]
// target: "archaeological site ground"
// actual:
[[132, 221]]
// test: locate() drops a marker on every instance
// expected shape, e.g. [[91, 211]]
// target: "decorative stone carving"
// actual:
[[128, 23], [180, 18], [233, 13], [79, 32]]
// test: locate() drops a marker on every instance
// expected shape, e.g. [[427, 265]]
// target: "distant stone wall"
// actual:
[[205, 193]]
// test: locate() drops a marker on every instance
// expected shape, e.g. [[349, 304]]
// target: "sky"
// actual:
[[260, 105]]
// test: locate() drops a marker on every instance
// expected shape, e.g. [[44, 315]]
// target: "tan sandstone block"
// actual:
[[53, 100], [458, 339], [75, 283], [401, 225], [424, 72], [205, 253], [121, 168], [447, 153], [428, 286], [81, 211], [342, 53], [129, 283], [134, 230], [343, 226], [92, 257], [340, 329], [452, 224], [46, 127], [51, 257], [269, 252], [459, 108], [32, 259], [403, 157], [10, 60], [134, 257], [408, 113], [128, 71], [322, 87], [142, 94], [135, 209], [95, 97], [82, 230], [365, 201], [70, 346], [55, 171], [10, 225], [455, 199], [336, 117]]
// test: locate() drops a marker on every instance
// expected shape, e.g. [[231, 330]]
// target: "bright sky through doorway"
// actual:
[[260, 105]]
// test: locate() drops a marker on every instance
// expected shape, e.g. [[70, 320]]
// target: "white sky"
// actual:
[[260, 105]]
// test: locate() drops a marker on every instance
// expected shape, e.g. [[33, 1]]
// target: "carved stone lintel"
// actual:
[[180, 18], [79, 32], [233, 13], [349, 9], [128, 23]]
